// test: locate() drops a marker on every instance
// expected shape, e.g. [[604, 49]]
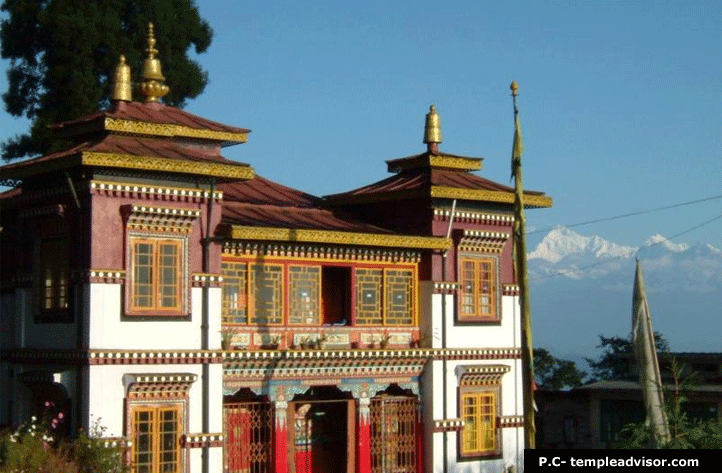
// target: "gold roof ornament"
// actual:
[[432, 130], [152, 86], [121, 84]]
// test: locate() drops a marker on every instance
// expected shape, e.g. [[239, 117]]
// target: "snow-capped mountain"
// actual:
[[581, 287]]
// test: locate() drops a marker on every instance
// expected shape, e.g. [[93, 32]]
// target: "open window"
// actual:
[[336, 286]]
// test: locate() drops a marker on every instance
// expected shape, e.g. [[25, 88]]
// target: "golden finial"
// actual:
[[152, 86], [514, 88], [432, 130], [121, 84]]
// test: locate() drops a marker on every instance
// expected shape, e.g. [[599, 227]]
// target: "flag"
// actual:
[[645, 352], [520, 267], [517, 147]]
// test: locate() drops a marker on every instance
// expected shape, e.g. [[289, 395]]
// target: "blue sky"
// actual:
[[621, 102]]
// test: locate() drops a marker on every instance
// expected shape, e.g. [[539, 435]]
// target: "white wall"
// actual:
[[108, 331], [505, 334]]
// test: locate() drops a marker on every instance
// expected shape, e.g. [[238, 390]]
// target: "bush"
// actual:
[[35, 448]]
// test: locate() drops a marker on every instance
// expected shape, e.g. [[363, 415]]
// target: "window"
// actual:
[[479, 410], [156, 275], [53, 289], [399, 297], [478, 289], [156, 438], [255, 293], [368, 296], [235, 293], [304, 285], [385, 297]]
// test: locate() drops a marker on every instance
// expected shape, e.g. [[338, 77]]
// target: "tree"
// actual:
[[615, 361], [553, 373], [63, 55]]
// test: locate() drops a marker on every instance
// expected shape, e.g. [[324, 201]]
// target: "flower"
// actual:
[[60, 415]]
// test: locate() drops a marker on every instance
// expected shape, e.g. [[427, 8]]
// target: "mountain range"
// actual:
[[581, 287]]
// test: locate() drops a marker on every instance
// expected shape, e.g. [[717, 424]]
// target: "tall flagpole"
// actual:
[[527, 359]]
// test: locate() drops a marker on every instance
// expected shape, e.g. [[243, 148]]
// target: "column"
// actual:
[[363, 457], [280, 437]]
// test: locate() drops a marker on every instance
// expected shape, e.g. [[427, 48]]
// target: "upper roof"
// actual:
[[260, 209], [440, 182], [153, 119], [131, 152]]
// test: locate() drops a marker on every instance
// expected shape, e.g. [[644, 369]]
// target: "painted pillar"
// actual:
[[280, 438], [363, 457]]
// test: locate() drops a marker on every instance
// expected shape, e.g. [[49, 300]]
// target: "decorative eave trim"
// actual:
[[449, 425], [142, 386], [479, 240], [446, 287], [236, 248], [203, 279], [144, 190], [478, 375], [147, 163], [155, 357], [530, 200], [116, 442], [474, 217], [372, 354], [58, 209], [511, 421], [104, 276], [323, 371], [165, 219], [202, 440], [510, 290], [171, 130], [239, 232], [436, 161]]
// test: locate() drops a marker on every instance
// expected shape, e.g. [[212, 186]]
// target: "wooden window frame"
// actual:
[[494, 293], [53, 288], [292, 303], [155, 308], [477, 392], [241, 291], [388, 303], [156, 436]]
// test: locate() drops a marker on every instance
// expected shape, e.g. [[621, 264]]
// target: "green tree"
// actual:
[[553, 373], [63, 55], [685, 433], [615, 362]]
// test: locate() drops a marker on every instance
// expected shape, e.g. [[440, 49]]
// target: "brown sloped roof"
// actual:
[[260, 202], [260, 190], [135, 152], [424, 178], [276, 216], [150, 113]]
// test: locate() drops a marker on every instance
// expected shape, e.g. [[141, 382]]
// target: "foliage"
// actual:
[[614, 362], [63, 55], [553, 373], [684, 432], [35, 447]]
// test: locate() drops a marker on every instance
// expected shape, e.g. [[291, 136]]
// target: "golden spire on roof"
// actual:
[[432, 130], [121, 83], [152, 86]]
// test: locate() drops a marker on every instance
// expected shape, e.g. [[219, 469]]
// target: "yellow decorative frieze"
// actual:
[[488, 196], [235, 248], [147, 163], [238, 232], [172, 130]]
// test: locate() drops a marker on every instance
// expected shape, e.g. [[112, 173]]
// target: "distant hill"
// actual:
[[581, 286]]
